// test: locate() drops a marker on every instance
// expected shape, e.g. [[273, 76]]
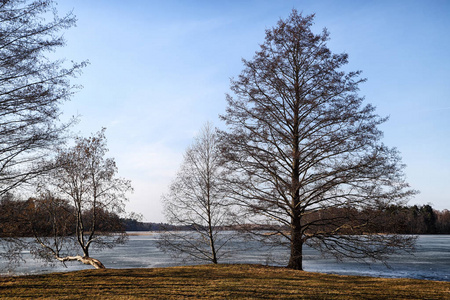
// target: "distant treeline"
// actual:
[[419, 219], [134, 225], [50, 217], [27, 218], [393, 219]]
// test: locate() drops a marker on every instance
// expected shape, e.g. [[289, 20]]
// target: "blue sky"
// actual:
[[160, 69]]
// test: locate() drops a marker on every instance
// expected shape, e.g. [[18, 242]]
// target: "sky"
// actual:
[[159, 70]]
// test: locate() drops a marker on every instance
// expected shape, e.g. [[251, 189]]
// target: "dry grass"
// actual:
[[216, 282]]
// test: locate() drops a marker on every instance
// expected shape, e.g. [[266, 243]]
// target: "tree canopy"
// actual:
[[32, 86], [300, 141], [197, 200], [95, 197]]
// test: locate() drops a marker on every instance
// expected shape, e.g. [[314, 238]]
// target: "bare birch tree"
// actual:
[[197, 204], [89, 183], [302, 145], [32, 86]]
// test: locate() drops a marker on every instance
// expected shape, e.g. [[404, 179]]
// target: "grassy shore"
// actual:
[[215, 282]]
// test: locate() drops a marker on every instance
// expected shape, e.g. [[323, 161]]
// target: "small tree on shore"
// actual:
[[95, 197], [197, 204], [306, 153]]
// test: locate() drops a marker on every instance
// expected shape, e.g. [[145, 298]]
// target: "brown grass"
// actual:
[[216, 282]]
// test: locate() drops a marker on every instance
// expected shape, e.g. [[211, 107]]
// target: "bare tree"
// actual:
[[197, 204], [301, 142], [88, 181], [32, 86]]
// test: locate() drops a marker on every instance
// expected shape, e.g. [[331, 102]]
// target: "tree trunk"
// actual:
[[93, 262], [213, 252], [211, 241], [296, 258], [84, 259]]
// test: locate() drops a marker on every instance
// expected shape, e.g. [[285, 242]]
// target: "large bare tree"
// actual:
[[96, 195], [32, 86], [197, 204], [306, 152]]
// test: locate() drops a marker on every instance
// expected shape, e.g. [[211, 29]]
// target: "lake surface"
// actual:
[[431, 261]]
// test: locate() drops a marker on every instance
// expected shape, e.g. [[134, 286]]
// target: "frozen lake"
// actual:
[[431, 261]]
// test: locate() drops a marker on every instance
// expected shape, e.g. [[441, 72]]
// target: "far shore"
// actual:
[[136, 233]]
